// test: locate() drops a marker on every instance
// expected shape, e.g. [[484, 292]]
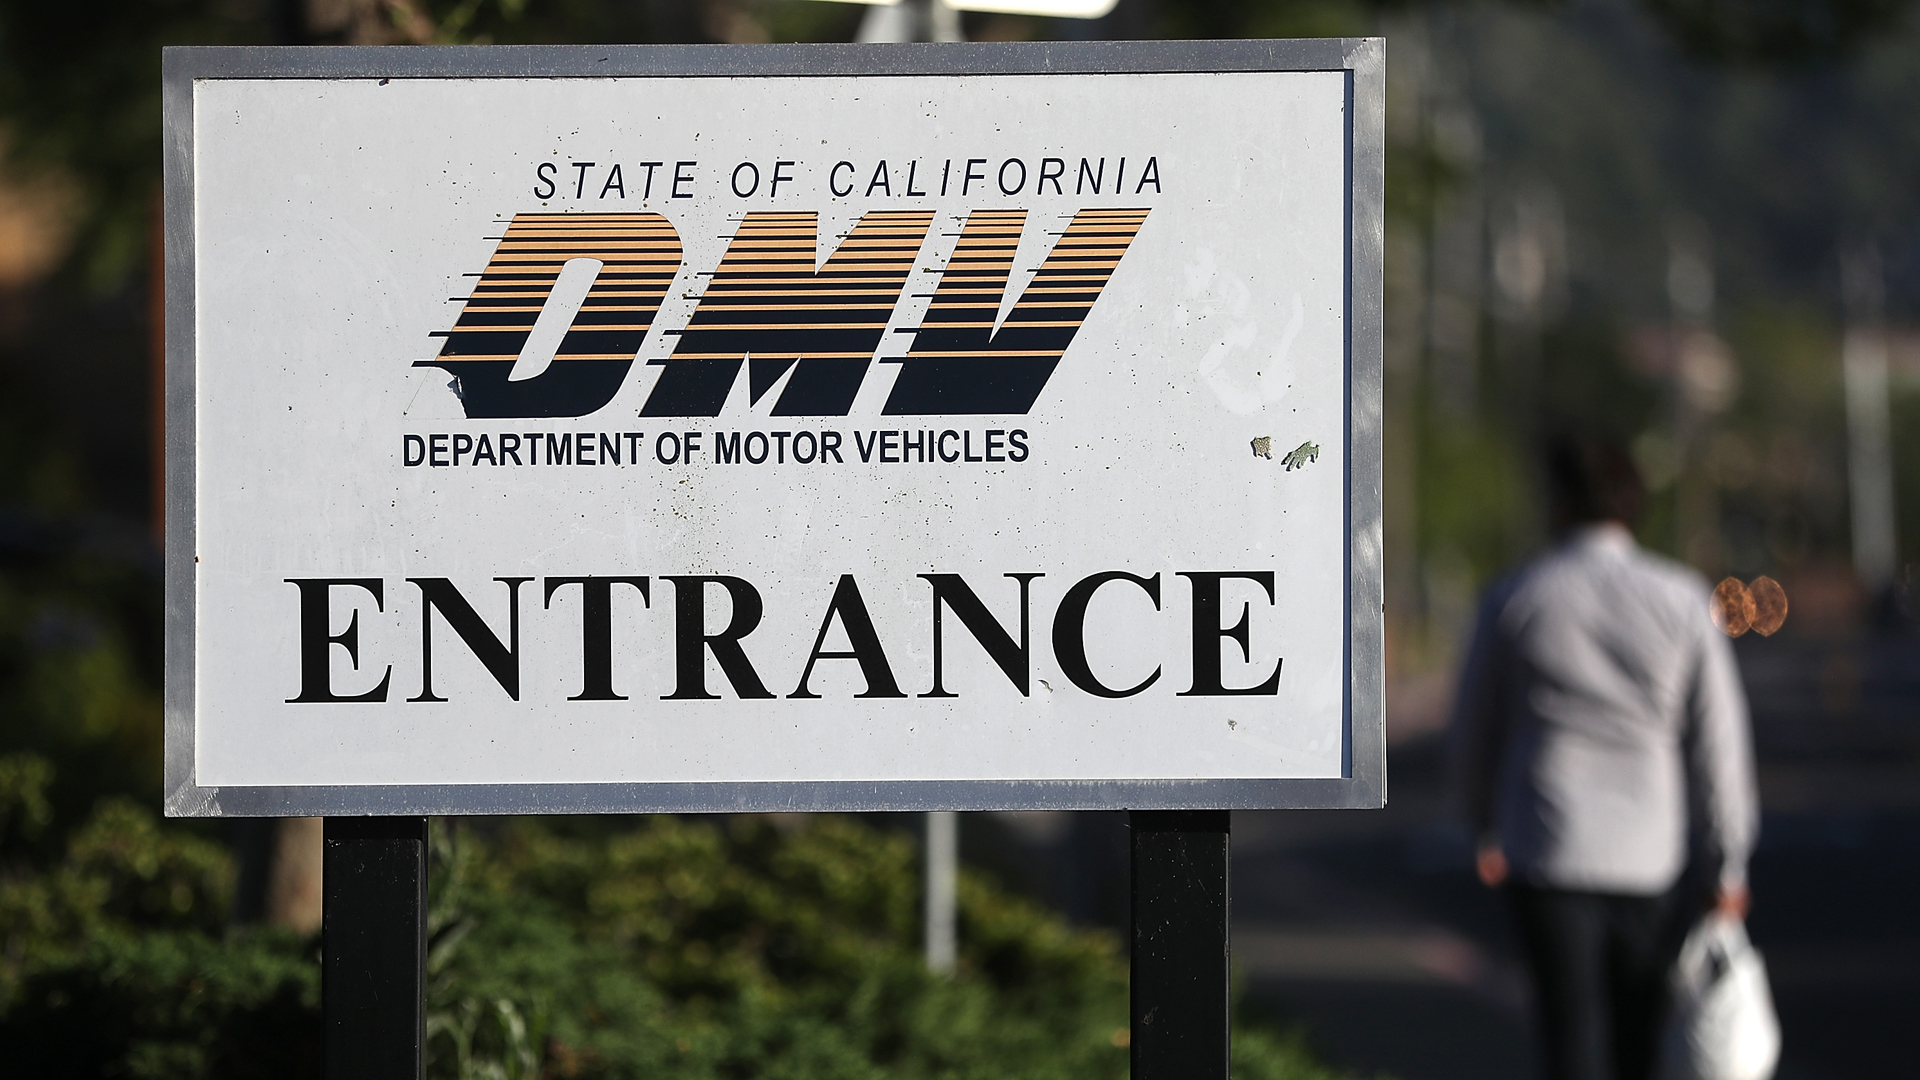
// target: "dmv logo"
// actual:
[[772, 309]]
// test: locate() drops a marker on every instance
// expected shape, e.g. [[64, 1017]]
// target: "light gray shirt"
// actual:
[[1601, 720]]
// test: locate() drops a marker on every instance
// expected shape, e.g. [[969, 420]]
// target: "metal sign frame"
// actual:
[[1363, 61]]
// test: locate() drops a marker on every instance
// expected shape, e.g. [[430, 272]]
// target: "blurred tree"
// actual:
[[1778, 31], [80, 103], [114, 959], [79, 623], [1638, 184]]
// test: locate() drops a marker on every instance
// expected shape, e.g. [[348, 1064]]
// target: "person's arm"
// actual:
[[1722, 747], [1479, 735]]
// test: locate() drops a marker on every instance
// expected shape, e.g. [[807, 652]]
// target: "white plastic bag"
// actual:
[[1721, 1024]]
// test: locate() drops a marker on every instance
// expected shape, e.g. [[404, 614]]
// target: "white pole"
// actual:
[[943, 872], [1869, 456], [1863, 359], [910, 20]]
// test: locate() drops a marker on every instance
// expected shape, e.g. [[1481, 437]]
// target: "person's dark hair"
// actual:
[[1593, 480]]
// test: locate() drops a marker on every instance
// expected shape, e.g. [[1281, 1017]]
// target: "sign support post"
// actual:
[[374, 966], [942, 880], [1179, 994], [954, 428]]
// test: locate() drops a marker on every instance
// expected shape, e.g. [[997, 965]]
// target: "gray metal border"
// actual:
[[1364, 61]]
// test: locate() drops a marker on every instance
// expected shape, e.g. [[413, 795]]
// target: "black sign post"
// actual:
[[1180, 1021], [374, 976], [374, 973]]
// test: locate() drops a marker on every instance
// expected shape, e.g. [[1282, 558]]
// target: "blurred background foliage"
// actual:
[[605, 947], [1655, 220]]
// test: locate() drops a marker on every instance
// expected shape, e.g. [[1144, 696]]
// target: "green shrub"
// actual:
[[662, 947], [116, 961], [697, 948]]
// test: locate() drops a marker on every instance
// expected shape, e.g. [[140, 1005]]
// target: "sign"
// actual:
[[799, 428]]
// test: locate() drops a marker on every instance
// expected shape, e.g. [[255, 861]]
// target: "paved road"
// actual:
[[1395, 959], [1368, 930]]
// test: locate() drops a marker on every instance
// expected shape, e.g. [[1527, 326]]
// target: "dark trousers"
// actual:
[[1600, 966]]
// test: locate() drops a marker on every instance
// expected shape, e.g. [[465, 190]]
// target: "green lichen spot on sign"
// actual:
[[1305, 452]]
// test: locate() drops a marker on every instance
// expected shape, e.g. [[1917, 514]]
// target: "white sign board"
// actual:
[[799, 428]]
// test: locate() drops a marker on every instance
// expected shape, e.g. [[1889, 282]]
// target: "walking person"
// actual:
[[1603, 755]]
